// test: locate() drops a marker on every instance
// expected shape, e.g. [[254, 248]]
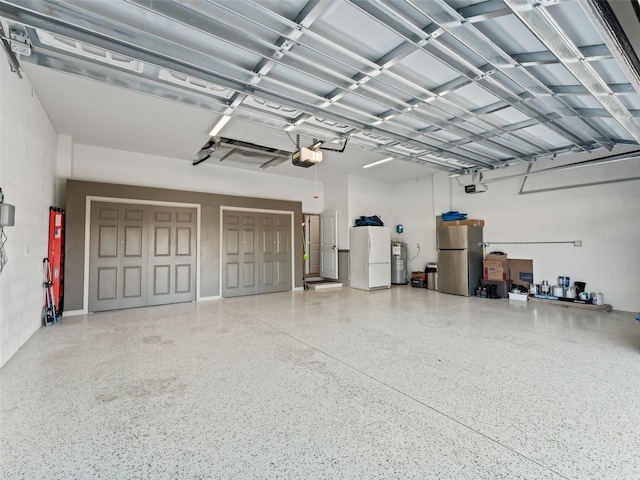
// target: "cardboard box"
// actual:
[[419, 275], [496, 266], [504, 286], [521, 271], [495, 269], [471, 222], [498, 276]]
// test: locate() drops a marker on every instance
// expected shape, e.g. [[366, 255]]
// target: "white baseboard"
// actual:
[[208, 299], [298, 289], [73, 313]]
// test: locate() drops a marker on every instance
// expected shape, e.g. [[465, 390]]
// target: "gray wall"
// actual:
[[343, 267], [77, 192]]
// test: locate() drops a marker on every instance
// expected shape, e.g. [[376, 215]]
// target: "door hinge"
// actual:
[[20, 43]]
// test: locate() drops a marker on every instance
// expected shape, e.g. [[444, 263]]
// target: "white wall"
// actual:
[[606, 218], [371, 197], [336, 197], [117, 166], [28, 144], [64, 166], [414, 209]]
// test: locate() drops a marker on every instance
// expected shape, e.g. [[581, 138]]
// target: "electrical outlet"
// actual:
[[577, 243]]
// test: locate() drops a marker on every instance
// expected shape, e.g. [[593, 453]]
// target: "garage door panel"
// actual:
[[133, 241], [183, 241], [107, 213], [162, 241], [282, 242], [132, 281], [132, 215], [162, 216], [232, 275], [283, 273], [268, 274], [232, 243], [249, 274], [267, 242], [184, 217], [161, 279], [108, 241], [183, 278], [248, 242], [107, 283]]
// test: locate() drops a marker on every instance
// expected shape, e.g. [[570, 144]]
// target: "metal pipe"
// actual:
[[589, 184], [587, 163], [572, 242], [524, 180]]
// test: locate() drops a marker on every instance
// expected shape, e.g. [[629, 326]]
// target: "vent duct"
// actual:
[[228, 149]]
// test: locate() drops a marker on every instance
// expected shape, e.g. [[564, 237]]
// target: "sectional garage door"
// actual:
[[256, 253], [141, 255]]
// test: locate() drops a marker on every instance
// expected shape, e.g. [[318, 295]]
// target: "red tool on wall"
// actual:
[[55, 256]]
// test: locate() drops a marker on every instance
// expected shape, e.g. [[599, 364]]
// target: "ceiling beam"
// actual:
[[146, 50], [543, 25], [378, 70], [311, 12], [589, 54], [572, 90], [449, 20], [196, 20], [385, 14]]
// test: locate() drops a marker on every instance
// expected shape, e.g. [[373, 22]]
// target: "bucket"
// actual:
[[599, 298]]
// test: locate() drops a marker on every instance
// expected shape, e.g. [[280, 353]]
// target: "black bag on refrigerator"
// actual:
[[373, 221]]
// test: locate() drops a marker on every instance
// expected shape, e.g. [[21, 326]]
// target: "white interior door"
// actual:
[[312, 234], [329, 245]]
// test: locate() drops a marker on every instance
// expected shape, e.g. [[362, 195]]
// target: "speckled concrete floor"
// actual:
[[396, 384]]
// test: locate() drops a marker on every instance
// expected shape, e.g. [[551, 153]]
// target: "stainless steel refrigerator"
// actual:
[[459, 259], [369, 258]]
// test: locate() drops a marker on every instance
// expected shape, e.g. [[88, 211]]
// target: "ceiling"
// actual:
[[453, 85]]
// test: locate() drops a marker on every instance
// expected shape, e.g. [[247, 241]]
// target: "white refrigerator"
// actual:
[[369, 257]]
